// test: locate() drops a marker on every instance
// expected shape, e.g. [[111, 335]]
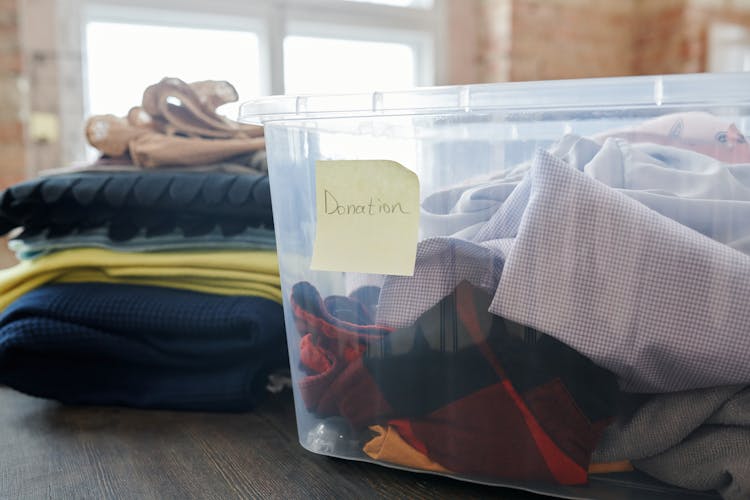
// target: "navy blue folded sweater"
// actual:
[[158, 202], [140, 346]]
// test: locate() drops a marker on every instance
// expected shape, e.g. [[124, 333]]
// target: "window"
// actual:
[[728, 48], [425, 4], [122, 59], [369, 65], [261, 46]]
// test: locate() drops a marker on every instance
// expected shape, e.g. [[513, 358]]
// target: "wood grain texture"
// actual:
[[52, 451]]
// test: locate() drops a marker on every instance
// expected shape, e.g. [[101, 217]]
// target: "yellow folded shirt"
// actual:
[[235, 272]]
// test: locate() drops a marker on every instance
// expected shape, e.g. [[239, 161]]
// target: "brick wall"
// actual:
[[12, 96], [12, 106], [43, 56], [460, 42], [549, 39], [570, 39], [658, 37], [495, 32]]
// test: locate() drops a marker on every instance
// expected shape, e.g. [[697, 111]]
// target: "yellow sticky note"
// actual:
[[367, 217]]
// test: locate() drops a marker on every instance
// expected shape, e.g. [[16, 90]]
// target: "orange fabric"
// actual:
[[388, 446], [608, 467], [111, 134], [312, 356]]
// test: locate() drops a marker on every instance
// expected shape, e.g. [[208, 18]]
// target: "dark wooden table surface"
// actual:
[[52, 451]]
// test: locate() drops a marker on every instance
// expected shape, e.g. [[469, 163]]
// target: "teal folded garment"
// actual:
[[29, 247]]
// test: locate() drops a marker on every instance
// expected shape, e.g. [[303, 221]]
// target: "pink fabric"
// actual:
[[696, 130]]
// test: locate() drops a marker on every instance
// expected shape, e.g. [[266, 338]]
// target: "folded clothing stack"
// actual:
[[150, 278], [151, 209], [144, 346]]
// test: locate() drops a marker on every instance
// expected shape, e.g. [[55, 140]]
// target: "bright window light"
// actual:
[[422, 4], [326, 65], [123, 59]]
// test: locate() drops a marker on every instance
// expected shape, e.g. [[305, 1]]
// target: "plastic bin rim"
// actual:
[[686, 90]]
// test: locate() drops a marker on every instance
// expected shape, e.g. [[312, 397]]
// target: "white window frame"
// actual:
[[150, 16], [420, 42], [725, 40], [272, 20]]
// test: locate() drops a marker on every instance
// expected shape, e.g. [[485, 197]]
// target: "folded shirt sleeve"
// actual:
[[660, 305]]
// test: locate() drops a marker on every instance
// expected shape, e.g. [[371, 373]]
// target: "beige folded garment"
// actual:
[[111, 134], [157, 150], [177, 125], [178, 108]]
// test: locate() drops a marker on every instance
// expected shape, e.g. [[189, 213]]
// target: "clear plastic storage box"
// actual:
[[539, 285]]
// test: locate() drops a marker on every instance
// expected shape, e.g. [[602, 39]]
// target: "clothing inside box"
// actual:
[[576, 315]]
